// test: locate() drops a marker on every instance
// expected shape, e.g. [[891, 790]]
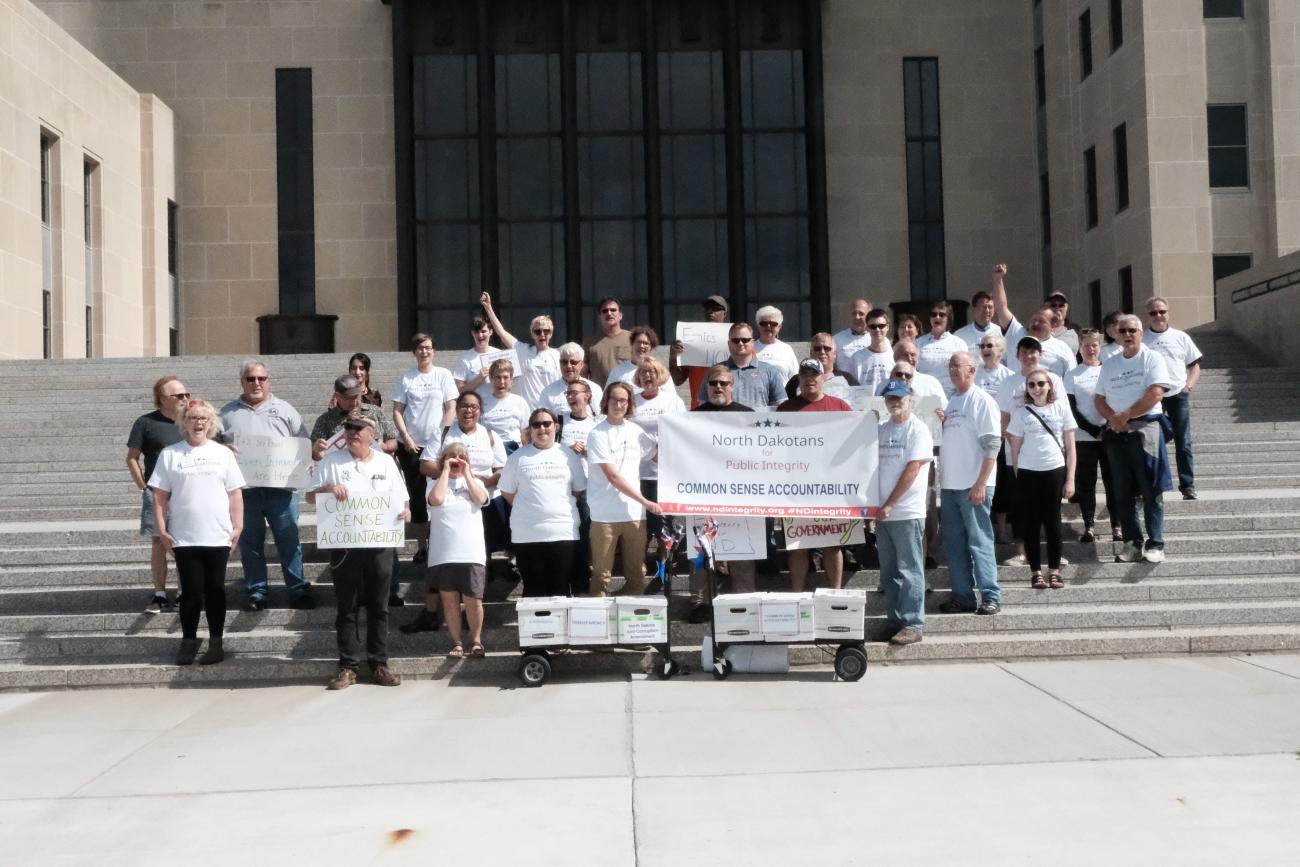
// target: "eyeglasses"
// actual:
[[541, 425], [1128, 330], [988, 346], [184, 395], [256, 378], [898, 374], [571, 361], [469, 407], [741, 340], [938, 314], [1157, 312], [720, 383], [618, 400], [355, 427], [879, 326], [768, 324], [1039, 384], [540, 331]]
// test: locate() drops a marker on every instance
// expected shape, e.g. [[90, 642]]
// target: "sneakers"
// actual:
[[342, 679], [158, 604], [906, 635], [214, 654], [1189, 493], [396, 601], [1153, 554], [384, 676], [303, 602], [255, 603], [952, 606], [988, 608], [1129, 554], [189, 650], [425, 621]]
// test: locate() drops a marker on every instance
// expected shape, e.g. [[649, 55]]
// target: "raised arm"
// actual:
[[507, 339], [1001, 309]]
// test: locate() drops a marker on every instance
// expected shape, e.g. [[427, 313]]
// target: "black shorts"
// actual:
[[467, 579]]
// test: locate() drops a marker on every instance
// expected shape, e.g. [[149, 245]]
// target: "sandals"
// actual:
[[1116, 534], [1088, 536], [457, 651], [477, 651], [1036, 581], [1055, 581]]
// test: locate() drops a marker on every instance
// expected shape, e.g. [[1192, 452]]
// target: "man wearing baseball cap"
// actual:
[[347, 398], [716, 309], [1067, 332], [906, 449]]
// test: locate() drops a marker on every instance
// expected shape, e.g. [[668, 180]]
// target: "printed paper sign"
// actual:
[[807, 465], [485, 360], [703, 343], [273, 462], [364, 521], [739, 538], [802, 533]]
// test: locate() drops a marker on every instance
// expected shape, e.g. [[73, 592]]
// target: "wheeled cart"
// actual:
[[535, 663]]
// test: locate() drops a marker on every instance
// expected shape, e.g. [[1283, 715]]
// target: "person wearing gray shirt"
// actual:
[[757, 384]]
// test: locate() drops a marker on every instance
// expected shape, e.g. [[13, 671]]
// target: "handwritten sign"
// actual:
[[923, 407], [485, 360], [703, 343], [803, 533], [365, 521], [273, 462], [739, 538]]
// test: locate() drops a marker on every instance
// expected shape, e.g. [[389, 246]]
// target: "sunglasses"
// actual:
[[720, 383], [879, 326], [1128, 330], [355, 427], [741, 340], [256, 378], [541, 331], [938, 315], [184, 395], [1039, 384], [1157, 312], [768, 324], [541, 425], [988, 346], [574, 362]]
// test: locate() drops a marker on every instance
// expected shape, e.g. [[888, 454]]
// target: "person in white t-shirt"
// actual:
[[1081, 389], [967, 481], [906, 450], [543, 482], [539, 362], [361, 575], [769, 347], [575, 426], [505, 413], [871, 364], [1041, 434], [470, 372], [1128, 396], [457, 553], [615, 448], [989, 376], [642, 339], [1110, 345], [572, 362], [856, 336], [424, 404], [1057, 355], [653, 400], [198, 510], [934, 349], [1183, 358], [981, 323], [922, 384]]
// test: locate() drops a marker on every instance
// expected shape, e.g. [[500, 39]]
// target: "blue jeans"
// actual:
[[1130, 479], [901, 545], [968, 544], [1179, 410], [278, 509]]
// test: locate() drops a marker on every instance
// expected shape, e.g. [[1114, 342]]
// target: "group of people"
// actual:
[[549, 455]]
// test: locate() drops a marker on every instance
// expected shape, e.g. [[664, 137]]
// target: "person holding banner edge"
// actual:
[[361, 575], [259, 413], [906, 448]]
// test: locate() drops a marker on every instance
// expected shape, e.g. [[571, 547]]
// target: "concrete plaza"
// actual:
[[1185, 760]]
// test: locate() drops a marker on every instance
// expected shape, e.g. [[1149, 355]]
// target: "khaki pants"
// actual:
[[604, 539], [739, 577]]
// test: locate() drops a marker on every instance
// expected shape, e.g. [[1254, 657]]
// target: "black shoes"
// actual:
[[396, 601], [213, 654], [701, 613], [952, 606], [189, 650], [304, 602], [988, 608], [255, 603], [1189, 493], [425, 621]]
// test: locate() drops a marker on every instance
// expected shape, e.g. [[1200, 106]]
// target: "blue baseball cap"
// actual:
[[896, 388]]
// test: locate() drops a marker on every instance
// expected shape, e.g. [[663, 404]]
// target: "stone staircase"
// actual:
[[74, 573]]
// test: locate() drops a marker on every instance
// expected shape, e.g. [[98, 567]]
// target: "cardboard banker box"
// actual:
[[738, 617], [642, 620], [839, 614], [787, 617], [593, 621], [543, 620]]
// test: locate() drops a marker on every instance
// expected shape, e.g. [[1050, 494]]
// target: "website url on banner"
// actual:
[[771, 511]]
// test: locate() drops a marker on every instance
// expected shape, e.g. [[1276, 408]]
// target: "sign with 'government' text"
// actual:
[[808, 465]]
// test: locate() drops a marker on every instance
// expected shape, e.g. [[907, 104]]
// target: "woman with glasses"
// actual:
[[934, 349], [542, 482], [457, 555], [539, 363], [643, 341], [1041, 435], [505, 413], [359, 366], [1081, 387]]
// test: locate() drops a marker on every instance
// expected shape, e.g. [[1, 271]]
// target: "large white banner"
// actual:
[[273, 462], [703, 343], [364, 521], [804, 465]]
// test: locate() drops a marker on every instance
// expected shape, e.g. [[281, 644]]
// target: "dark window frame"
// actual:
[[1231, 159], [1094, 302], [1091, 211], [923, 143], [1040, 75], [1119, 141], [1126, 289], [47, 203], [295, 190], [1224, 264], [1116, 25], [1085, 44], [1213, 10]]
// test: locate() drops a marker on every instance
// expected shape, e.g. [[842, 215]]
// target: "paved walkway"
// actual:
[[1187, 760]]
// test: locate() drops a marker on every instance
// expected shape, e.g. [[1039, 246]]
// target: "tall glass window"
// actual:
[[925, 235]]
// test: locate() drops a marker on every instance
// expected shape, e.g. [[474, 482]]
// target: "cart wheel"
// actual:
[[721, 668], [670, 668], [850, 663], [534, 670]]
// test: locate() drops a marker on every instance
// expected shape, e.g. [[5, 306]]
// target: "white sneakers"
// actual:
[[1153, 555], [1133, 554]]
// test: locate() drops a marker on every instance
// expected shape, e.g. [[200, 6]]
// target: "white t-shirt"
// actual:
[[971, 334], [1124, 380], [900, 444], [780, 355], [991, 380], [536, 370], [1057, 356], [624, 371], [542, 482], [847, 343], [1011, 397], [574, 431], [455, 527], [199, 480], [1109, 349], [1082, 383], [379, 475], [1041, 450], [486, 451], [553, 398], [968, 417], [923, 384], [505, 416], [622, 446], [423, 395], [871, 369], [933, 354], [469, 366], [1178, 350], [647, 418]]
